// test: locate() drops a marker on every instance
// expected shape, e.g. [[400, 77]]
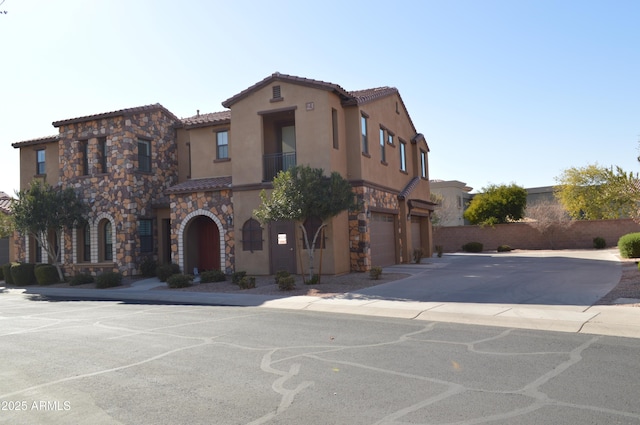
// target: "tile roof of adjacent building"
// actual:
[[118, 113], [203, 120], [5, 203], [38, 141], [201, 185], [323, 85]]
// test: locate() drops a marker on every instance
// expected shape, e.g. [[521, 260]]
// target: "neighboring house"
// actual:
[[455, 198], [540, 194], [184, 190], [6, 244]]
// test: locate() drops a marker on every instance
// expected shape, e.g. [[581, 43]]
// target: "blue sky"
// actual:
[[504, 91]]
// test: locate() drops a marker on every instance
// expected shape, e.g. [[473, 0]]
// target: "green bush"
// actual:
[[315, 279], [375, 272], [179, 281], [472, 247], [46, 274], [81, 279], [504, 248], [439, 250], [285, 281], [599, 243], [418, 253], [247, 282], [23, 274], [148, 267], [164, 271], [1, 273], [280, 274], [236, 277], [6, 271], [108, 280], [629, 245], [212, 276]]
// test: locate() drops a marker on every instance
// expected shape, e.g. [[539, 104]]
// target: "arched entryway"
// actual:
[[202, 244]]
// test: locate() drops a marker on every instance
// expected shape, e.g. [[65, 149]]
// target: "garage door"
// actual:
[[383, 247]]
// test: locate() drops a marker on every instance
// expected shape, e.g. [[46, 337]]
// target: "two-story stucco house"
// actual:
[[184, 190]]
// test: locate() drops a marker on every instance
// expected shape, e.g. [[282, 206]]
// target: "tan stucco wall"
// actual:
[[28, 164], [203, 153]]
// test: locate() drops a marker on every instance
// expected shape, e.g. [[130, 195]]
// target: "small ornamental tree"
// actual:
[[549, 218], [497, 205], [598, 193], [6, 225], [303, 193], [41, 209]]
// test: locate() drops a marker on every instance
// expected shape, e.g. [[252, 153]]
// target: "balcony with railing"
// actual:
[[276, 162]]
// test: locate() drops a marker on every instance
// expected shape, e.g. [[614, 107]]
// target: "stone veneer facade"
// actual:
[[371, 199], [217, 205], [124, 194]]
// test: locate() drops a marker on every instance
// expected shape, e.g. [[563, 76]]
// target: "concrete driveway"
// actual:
[[565, 277]]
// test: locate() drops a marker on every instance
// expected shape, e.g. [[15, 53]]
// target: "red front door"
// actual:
[[208, 244]]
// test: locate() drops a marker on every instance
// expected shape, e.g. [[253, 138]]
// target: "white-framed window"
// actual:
[[365, 139], [383, 156], [144, 155], [222, 144], [423, 164], [41, 167], [403, 156]]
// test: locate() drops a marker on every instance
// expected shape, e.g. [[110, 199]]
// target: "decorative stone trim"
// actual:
[[183, 226]]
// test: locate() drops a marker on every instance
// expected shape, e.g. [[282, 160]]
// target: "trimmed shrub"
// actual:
[[472, 247], [315, 279], [6, 271], [212, 276], [629, 245], [179, 281], [418, 253], [280, 274], [108, 280], [46, 274], [236, 277], [439, 250], [1, 273], [375, 272], [285, 281], [599, 243], [148, 267], [23, 274], [81, 279], [504, 248], [164, 271], [247, 282]]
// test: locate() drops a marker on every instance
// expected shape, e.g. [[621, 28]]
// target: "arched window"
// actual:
[[251, 235], [105, 240], [311, 225], [108, 242]]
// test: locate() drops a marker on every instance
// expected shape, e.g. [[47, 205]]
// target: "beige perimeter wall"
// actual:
[[522, 236]]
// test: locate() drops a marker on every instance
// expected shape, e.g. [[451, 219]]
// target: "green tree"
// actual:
[[6, 225], [597, 193], [497, 205], [303, 193], [41, 209]]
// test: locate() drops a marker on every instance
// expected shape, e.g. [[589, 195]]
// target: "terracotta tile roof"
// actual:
[[323, 85], [203, 120], [118, 113], [5, 203], [409, 188], [367, 95], [200, 185], [47, 139]]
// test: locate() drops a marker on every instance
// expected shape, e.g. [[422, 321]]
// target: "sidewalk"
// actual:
[[602, 320]]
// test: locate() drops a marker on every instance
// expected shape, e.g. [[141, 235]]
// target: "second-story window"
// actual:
[[383, 156], [334, 127], [40, 162], [144, 155], [365, 140], [222, 144], [423, 164], [102, 154], [403, 156], [84, 152]]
